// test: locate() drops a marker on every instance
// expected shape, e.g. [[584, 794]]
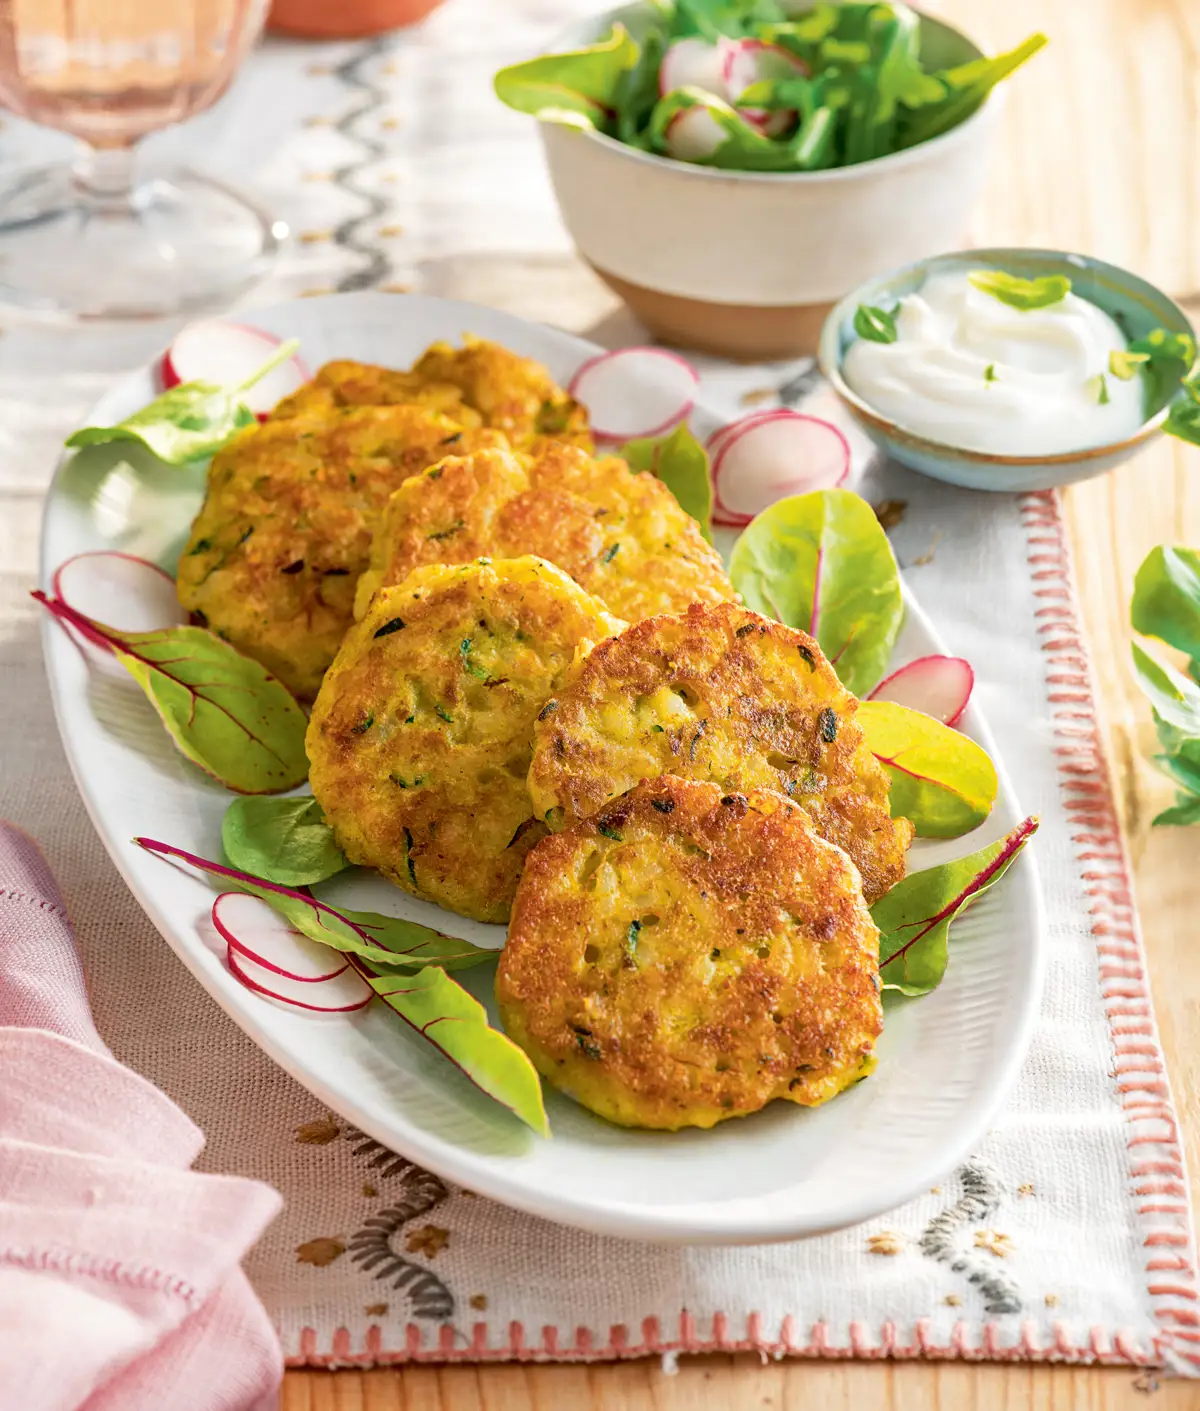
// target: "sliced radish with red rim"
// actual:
[[723, 433], [271, 958], [121, 590], [749, 61], [635, 392], [227, 354], [940, 686], [692, 63], [771, 456], [693, 134]]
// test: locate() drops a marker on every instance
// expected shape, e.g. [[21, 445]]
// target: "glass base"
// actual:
[[172, 244]]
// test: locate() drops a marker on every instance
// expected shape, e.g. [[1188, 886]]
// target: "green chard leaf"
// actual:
[[189, 422], [224, 711], [1166, 598], [1018, 293], [1174, 696], [941, 780], [822, 562], [1184, 812], [874, 324], [966, 88], [405, 964], [914, 917], [282, 840], [636, 91], [580, 88], [681, 463], [441, 1011]]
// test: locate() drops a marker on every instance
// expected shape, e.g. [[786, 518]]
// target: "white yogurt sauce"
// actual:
[[971, 371]]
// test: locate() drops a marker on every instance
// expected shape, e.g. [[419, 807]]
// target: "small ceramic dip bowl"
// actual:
[[1136, 307], [747, 264]]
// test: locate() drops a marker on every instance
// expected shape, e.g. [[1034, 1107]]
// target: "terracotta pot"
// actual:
[[344, 19]]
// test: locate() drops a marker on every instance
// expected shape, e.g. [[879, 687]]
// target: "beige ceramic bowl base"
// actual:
[[747, 332]]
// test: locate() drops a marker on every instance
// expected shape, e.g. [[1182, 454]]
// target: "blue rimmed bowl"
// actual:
[[1135, 306]]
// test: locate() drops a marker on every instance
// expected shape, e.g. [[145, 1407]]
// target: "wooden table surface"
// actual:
[[1100, 152]]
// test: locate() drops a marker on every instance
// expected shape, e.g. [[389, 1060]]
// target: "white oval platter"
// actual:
[[946, 1061]]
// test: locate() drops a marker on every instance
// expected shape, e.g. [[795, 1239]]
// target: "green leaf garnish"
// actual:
[[989, 373], [1018, 293], [281, 840], [1166, 598], [914, 917], [822, 562], [405, 964], [681, 463], [1102, 397], [1124, 364], [940, 779], [190, 422], [224, 711], [580, 87], [874, 324]]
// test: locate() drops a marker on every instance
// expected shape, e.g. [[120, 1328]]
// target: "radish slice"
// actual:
[[747, 61], [693, 134], [692, 63], [227, 354], [936, 685], [722, 433], [271, 958], [635, 392], [783, 453], [771, 122], [120, 590]]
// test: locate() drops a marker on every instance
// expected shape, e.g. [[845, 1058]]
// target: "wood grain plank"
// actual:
[[1100, 152]]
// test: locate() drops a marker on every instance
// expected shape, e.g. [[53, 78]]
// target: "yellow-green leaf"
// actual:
[[681, 463], [579, 86], [224, 711], [941, 780], [283, 840]]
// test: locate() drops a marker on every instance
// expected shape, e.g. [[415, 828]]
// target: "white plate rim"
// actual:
[[477, 1173]]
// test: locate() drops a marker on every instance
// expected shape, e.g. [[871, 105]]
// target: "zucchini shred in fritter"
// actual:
[[719, 693], [686, 956], [621, 535], [421, 735]]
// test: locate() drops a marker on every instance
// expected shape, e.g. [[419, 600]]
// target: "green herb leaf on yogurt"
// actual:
[[1124, 364], [1100, 383], [989, 373], [875, 324], [1018, 293]]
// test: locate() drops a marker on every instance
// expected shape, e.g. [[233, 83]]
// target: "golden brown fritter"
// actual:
[[421, 736], [513, 394], [621, 535], [723, 694], [480, 383], [285, 529], [687, 955], [344, 383]]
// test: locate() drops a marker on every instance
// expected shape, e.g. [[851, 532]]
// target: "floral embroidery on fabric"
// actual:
[[943, 1238]]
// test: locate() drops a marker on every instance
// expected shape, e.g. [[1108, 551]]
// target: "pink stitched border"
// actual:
[[1158, 1178]]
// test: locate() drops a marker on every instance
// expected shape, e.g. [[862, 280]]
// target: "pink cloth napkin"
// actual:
[[120, 1285]]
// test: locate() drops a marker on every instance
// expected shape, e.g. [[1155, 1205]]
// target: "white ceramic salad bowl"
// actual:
[[946, 1061]]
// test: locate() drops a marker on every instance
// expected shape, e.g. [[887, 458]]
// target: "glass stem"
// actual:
[[104, 175]]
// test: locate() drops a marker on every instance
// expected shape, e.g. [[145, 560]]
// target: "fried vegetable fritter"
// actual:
[[285, 529], [722, 694], [621, 535], [478, 383], [343, 383], [687, 955], [421, 736], [513, 394]]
